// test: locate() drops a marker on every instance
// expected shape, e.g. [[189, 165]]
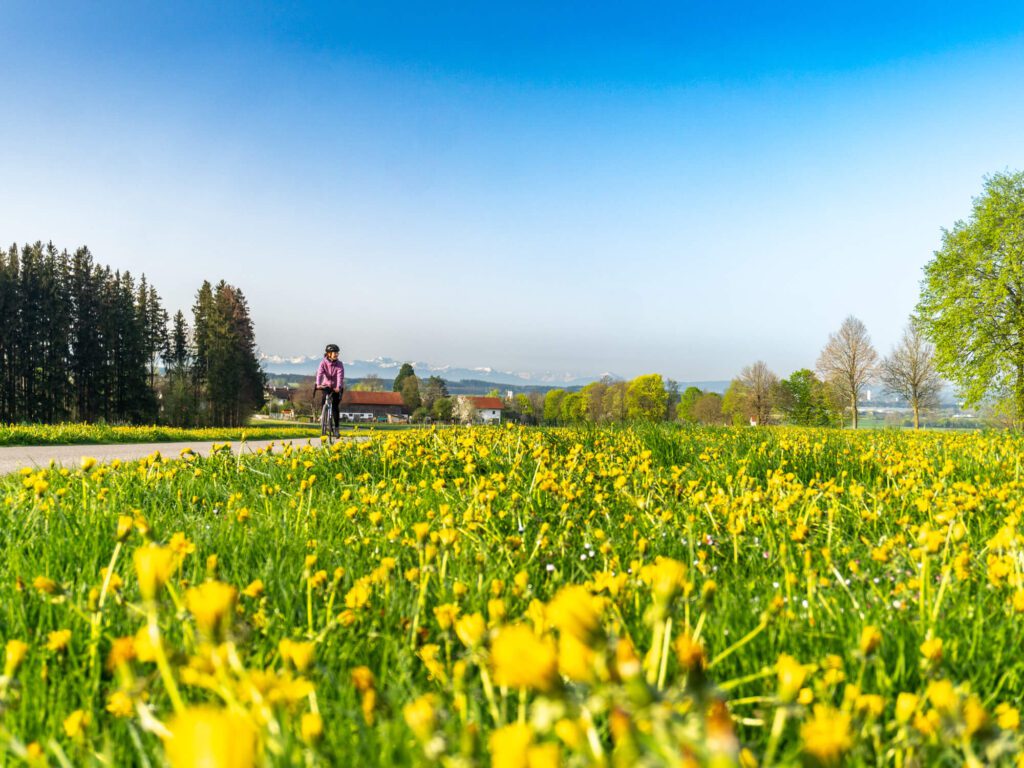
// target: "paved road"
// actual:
[[14, 458]]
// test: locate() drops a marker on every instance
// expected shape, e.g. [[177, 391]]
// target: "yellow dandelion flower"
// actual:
[[870, 639], [1007, 717], [211, 604], [119, 704], [181, 545], [58, 641], [470, 629], [791, 674], [943, 696], [255, 589], [826, 736], [446, 615], [76, 723], [574, 611], [523, 660], [153, 567], [88, 462], [906, 706], [299, 653], [931, 649], [312, 727], [420, 715], [46, 585], [210, 737], [14, 653], [358, 596], [509, 746], [362, 678]]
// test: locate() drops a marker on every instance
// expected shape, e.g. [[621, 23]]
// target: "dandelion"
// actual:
[[299, 654], [421, 715], [826, 736], [906, 706], [510, 746], [574, 613], [211, 604], [470, 629], [523, 660], [791, 675], [119, 704], [153, 567], [210, 737], [870, 639], [14, 653], [75, 724], [312, 727], [58, 641], [931, 649]]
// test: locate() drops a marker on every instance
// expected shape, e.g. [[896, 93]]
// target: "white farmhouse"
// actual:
[[485, 409]]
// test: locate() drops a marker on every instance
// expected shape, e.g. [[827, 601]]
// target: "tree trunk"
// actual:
[[853, 398], [917, 414]]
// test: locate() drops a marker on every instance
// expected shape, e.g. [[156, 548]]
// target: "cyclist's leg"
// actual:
[[336, 408]]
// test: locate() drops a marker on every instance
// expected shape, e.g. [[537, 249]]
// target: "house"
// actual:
[[372, 406], [485, 409]]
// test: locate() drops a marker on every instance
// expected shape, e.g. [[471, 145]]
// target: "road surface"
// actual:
[[14, 458]]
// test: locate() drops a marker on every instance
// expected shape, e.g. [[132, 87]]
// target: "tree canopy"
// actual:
[[972, 296]]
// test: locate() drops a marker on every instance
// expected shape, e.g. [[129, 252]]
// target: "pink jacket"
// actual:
[[331, 373]]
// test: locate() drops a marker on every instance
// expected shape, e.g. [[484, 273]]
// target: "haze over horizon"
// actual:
[[679, 188]]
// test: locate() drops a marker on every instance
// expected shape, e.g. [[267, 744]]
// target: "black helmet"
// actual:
[[332, 348]]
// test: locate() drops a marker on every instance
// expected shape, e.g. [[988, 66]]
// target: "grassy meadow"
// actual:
[[87, 434], [522, 597]]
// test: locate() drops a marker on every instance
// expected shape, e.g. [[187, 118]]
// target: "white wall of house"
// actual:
[[489, 414]]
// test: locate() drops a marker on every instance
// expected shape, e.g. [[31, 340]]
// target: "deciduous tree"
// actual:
[[909, 371], [972, 296], [848, 361], [646, 398]]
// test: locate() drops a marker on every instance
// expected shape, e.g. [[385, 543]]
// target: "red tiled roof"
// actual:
[[354, 397], [487, 403]]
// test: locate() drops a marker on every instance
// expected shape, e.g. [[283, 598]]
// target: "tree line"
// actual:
[[80, 341]]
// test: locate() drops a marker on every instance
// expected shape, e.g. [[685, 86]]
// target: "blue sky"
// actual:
[[681, 188]]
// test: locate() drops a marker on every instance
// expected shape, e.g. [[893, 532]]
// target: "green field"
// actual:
[[535, 597]]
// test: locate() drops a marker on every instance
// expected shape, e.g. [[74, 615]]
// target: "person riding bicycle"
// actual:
[[330, 378]]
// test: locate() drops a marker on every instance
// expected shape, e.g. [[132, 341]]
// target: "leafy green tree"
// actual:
[[687, 400], [431, 389], [734, 404], [553, 405], [593, 397], [411, 392], [613, 404], [646, 398], [972, 297], [708, 409], [442, 409], [403, 373], [522, 405], [573, 408], [807, 401]]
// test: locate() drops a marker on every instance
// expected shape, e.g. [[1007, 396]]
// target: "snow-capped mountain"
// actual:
[[387, 368]]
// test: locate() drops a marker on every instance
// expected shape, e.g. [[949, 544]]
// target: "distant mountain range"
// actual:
[[387, 368]]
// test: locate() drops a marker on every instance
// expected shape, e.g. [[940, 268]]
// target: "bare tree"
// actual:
[[909, 371], [849, 361], [760, 386]]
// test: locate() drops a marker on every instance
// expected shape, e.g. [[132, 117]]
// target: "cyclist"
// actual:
[[330, 378]]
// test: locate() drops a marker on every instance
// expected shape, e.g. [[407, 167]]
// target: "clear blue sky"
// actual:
[[681, 188]]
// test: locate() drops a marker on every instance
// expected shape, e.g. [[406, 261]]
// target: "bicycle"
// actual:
[[328, 428]]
